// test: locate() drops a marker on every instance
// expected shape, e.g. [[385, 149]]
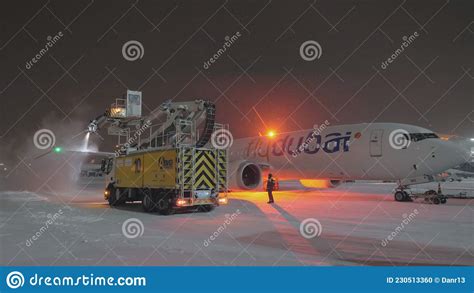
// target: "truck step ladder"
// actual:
[[186, 167]]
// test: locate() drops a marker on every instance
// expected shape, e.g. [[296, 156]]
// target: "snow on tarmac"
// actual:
[[353, 224]]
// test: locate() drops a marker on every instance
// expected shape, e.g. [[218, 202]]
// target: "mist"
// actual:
[[51, 170]]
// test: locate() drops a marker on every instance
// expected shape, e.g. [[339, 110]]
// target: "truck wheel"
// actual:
[[115, 197], [436, 200], [148, 201], [443, 200], [399, 196], [164, 206]]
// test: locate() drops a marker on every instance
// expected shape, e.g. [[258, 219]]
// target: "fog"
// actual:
[[53, 169]]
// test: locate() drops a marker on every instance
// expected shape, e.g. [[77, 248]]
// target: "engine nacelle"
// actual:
[[249, 176], [320, 183]]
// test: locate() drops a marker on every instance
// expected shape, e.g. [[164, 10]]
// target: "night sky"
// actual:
[[260, 82]]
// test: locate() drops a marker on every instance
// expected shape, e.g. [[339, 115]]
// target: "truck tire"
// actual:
[[116, 197], [436, 200], [149, 201], [164, 206]]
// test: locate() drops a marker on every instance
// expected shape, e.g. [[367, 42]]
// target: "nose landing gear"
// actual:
[[401, 195], [404, 193]]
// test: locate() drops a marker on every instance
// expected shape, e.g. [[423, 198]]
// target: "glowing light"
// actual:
[[117, 112], [271, 133], [181, 202], [58, 149], [223, 200], [106, 194], [315, 183]]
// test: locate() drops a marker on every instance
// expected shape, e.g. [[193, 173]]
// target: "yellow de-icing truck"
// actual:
[[173, 163], [168, 179]]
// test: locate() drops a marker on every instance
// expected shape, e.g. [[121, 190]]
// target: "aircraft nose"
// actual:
[[454, 154]]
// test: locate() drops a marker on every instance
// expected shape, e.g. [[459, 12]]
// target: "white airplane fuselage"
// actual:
[[376, 151]]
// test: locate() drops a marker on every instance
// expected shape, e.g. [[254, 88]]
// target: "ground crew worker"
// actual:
[[111, 184], [270, 186]]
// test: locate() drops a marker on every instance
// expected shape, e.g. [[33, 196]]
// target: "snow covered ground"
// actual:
[[354, 224]]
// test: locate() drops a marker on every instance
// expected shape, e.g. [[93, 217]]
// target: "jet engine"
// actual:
[[249, 176]]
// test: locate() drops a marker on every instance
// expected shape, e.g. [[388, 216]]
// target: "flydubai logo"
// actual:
[[333, 143]]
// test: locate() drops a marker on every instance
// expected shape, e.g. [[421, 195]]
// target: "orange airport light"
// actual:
[[271, 133]]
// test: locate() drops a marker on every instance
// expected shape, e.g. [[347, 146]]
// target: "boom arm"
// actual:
[[192, 113], [179, 127]]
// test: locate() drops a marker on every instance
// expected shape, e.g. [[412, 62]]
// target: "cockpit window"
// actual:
[[422, 136]]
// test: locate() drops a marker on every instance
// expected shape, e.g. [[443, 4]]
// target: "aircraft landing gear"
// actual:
[[401, 194], [430, 196]]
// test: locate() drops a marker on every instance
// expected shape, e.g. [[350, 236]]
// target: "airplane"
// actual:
[[327, 155]]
